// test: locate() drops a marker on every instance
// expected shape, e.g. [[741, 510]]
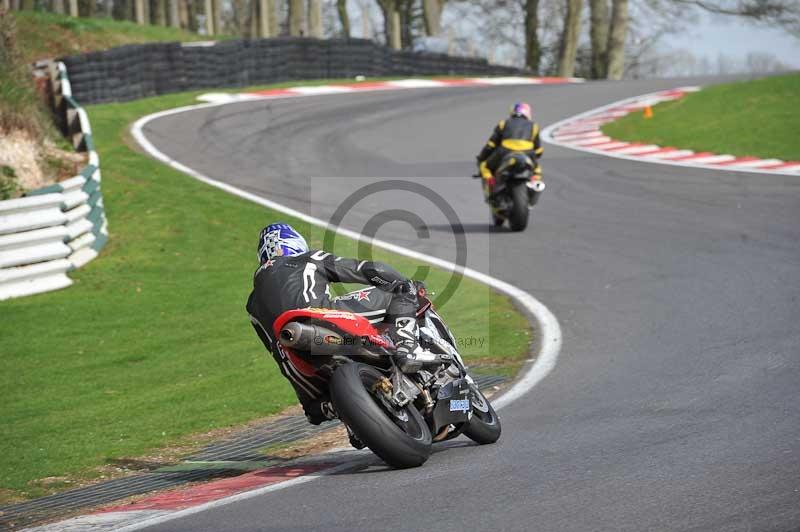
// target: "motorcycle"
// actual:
[[397, 415], [515, 191]]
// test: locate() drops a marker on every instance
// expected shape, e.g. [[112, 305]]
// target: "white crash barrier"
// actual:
[[59, 228]]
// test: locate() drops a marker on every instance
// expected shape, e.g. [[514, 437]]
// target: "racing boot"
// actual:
[[405, 339]]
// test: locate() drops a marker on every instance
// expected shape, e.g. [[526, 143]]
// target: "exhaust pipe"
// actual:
[[320, 341], [313, 338], [534, 189]]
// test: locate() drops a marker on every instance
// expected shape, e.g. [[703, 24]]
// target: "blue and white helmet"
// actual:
[[280, 240]]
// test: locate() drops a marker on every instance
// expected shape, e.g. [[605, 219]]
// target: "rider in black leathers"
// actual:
[[519, 133], [293, 277]]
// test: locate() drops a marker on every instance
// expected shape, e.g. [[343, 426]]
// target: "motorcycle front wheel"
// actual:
[[484, 425], [399, 436]]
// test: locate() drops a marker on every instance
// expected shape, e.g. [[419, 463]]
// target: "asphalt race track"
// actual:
[[675, 403]]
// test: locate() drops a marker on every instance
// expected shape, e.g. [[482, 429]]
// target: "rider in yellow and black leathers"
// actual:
[[517, 134]]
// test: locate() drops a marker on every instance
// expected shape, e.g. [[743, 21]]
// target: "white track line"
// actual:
[[549, 329]]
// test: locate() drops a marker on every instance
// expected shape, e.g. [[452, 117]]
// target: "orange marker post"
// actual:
[[648, 112]]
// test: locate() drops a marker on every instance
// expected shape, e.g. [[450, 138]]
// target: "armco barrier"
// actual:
[[137, 71], [58, 228]]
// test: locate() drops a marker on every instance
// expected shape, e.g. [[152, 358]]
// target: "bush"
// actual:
[[20, 108], [8, 182]]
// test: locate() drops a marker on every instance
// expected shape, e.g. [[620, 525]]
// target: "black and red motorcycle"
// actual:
[[516, 190], [397, 415]]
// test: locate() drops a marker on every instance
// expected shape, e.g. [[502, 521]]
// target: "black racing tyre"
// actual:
[[401, 443], [518, 217], [484, 426]]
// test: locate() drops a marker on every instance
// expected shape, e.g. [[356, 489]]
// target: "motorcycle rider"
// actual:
[[292, 276], [517, 134]]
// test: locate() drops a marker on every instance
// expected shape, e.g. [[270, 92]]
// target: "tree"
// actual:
[[411, 22], [432, 11], [781, 13], [315, 19], [391, 22], [161, 12], [296, 17], [266, 18], [174, 14], [86, 8], [568, 46], [617, 33], [139, 10], [208, 11], [122, 10], [240, 22], [533, 49], [598, 35], [344, 18], [216, 9]]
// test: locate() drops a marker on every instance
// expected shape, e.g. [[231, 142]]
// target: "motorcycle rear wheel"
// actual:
[[401, 443], [518, 217]]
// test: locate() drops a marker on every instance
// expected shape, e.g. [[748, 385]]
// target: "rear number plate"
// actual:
[[459, 405]]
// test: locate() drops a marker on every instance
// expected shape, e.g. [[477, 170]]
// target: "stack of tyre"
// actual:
[[163, 70], [401, 63], [348, 58], [138, 71], [90, 74], [305, 58], [272, 60]]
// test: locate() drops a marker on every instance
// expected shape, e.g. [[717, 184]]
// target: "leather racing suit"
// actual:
[[302, 281], [517, 134]]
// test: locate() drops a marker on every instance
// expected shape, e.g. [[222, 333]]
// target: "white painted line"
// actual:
[[580, 136], [508, 81], [593, 142], [224, 97], [670, 154], [322, 89], [633, 150], [756, 164], [99, 522], [712, 159], [549, 329], [416, 83], [574, 130], [610, 145]]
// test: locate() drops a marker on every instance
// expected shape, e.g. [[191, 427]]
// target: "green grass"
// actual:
[[48, 35], [758, 118], [152, 343]]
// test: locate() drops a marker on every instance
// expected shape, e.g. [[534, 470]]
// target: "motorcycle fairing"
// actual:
[[453, 405], [347, 322]]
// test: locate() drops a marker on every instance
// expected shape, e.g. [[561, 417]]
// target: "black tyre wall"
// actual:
[[136, 71]]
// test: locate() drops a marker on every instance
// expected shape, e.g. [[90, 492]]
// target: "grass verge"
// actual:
[[152, 344], [47, 35], [752, 118]]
